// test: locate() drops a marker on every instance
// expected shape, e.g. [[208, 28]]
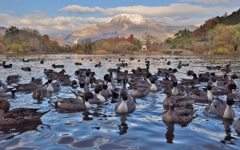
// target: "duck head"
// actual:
[[4, 105], [97, 89], [87, 95], [230, 99], [124, 95], [231, 86]]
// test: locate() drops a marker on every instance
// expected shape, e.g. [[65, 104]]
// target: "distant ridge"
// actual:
[[2, 31]]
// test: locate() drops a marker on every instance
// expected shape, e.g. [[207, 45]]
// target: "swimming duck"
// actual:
[[10, 94], [13, 79], [28, 87], [3, 63], [74, 84], [178, 115], [178, 89], [228, 112], [224, 90], [25, 60], [223, 109], [98, 95], [139, 92], [178, 101], [42, 61], [126, 105], [155, 85], [7, 66], [78, 63], [17, 116], [98, 65], [26, 68], [75, 104], [57, 66], [37, 81], [200, 95], [105, 92]]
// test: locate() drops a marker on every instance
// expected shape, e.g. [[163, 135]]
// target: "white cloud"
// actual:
[[179, 9], [213, 1], [46, 25], [80, 9]]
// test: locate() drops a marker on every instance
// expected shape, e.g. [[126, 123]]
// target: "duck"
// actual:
[[228, 112], [155, 85], [7, 66], [17, 116], [223, 109], [13, 79], [74, 84], [98, 96], [37, 81], [4, 87], [203, 96], [57, 66], [236, 125], [10, 94], [224, 90], [178, 101], [98, 65], [139, 92], [42, 61], [105, 92], [126, 105], [78, 63], [25, 60], [26, 68], [178, 115], [75, 104], [191, 82], [3, 63], [178, 89], [39, 94], [28, 87]]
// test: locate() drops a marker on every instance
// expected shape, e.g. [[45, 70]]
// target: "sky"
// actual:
[[66, 16]]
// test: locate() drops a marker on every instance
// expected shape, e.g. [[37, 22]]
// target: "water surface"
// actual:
[[101, 128]]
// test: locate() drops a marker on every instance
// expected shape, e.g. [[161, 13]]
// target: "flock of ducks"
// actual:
[[124, 88]]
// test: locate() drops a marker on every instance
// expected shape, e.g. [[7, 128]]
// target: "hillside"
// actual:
[[2, 31], [231, 19]]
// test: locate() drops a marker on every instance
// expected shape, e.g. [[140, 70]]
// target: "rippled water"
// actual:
[[101, 128]]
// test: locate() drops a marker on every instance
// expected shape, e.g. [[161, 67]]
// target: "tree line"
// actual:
[[218, 35]]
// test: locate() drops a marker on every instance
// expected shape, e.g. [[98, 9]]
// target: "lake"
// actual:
[[100, 127]]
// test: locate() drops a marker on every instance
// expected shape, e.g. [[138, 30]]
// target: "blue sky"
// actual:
[[66, 16]]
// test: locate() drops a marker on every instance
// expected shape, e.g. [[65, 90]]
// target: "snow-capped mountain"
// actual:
[[124, 25], [130, 18]]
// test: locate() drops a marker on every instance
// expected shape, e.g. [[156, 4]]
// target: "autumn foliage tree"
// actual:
[[200, 33]]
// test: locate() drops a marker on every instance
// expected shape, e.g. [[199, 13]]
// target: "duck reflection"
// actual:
[[228, 138], [170, 130], [86, 116], [10, 132], [123, 127]]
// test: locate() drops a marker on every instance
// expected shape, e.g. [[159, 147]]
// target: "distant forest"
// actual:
[[218, 35]]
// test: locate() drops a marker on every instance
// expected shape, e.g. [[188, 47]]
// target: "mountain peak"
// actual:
[[133, 18]]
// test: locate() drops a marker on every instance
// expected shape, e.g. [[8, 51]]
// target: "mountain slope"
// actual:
[[124, 25], [2, 31]]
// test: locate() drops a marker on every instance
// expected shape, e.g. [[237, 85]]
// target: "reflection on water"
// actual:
[[170, 132], [100, 127], [228, 139]]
